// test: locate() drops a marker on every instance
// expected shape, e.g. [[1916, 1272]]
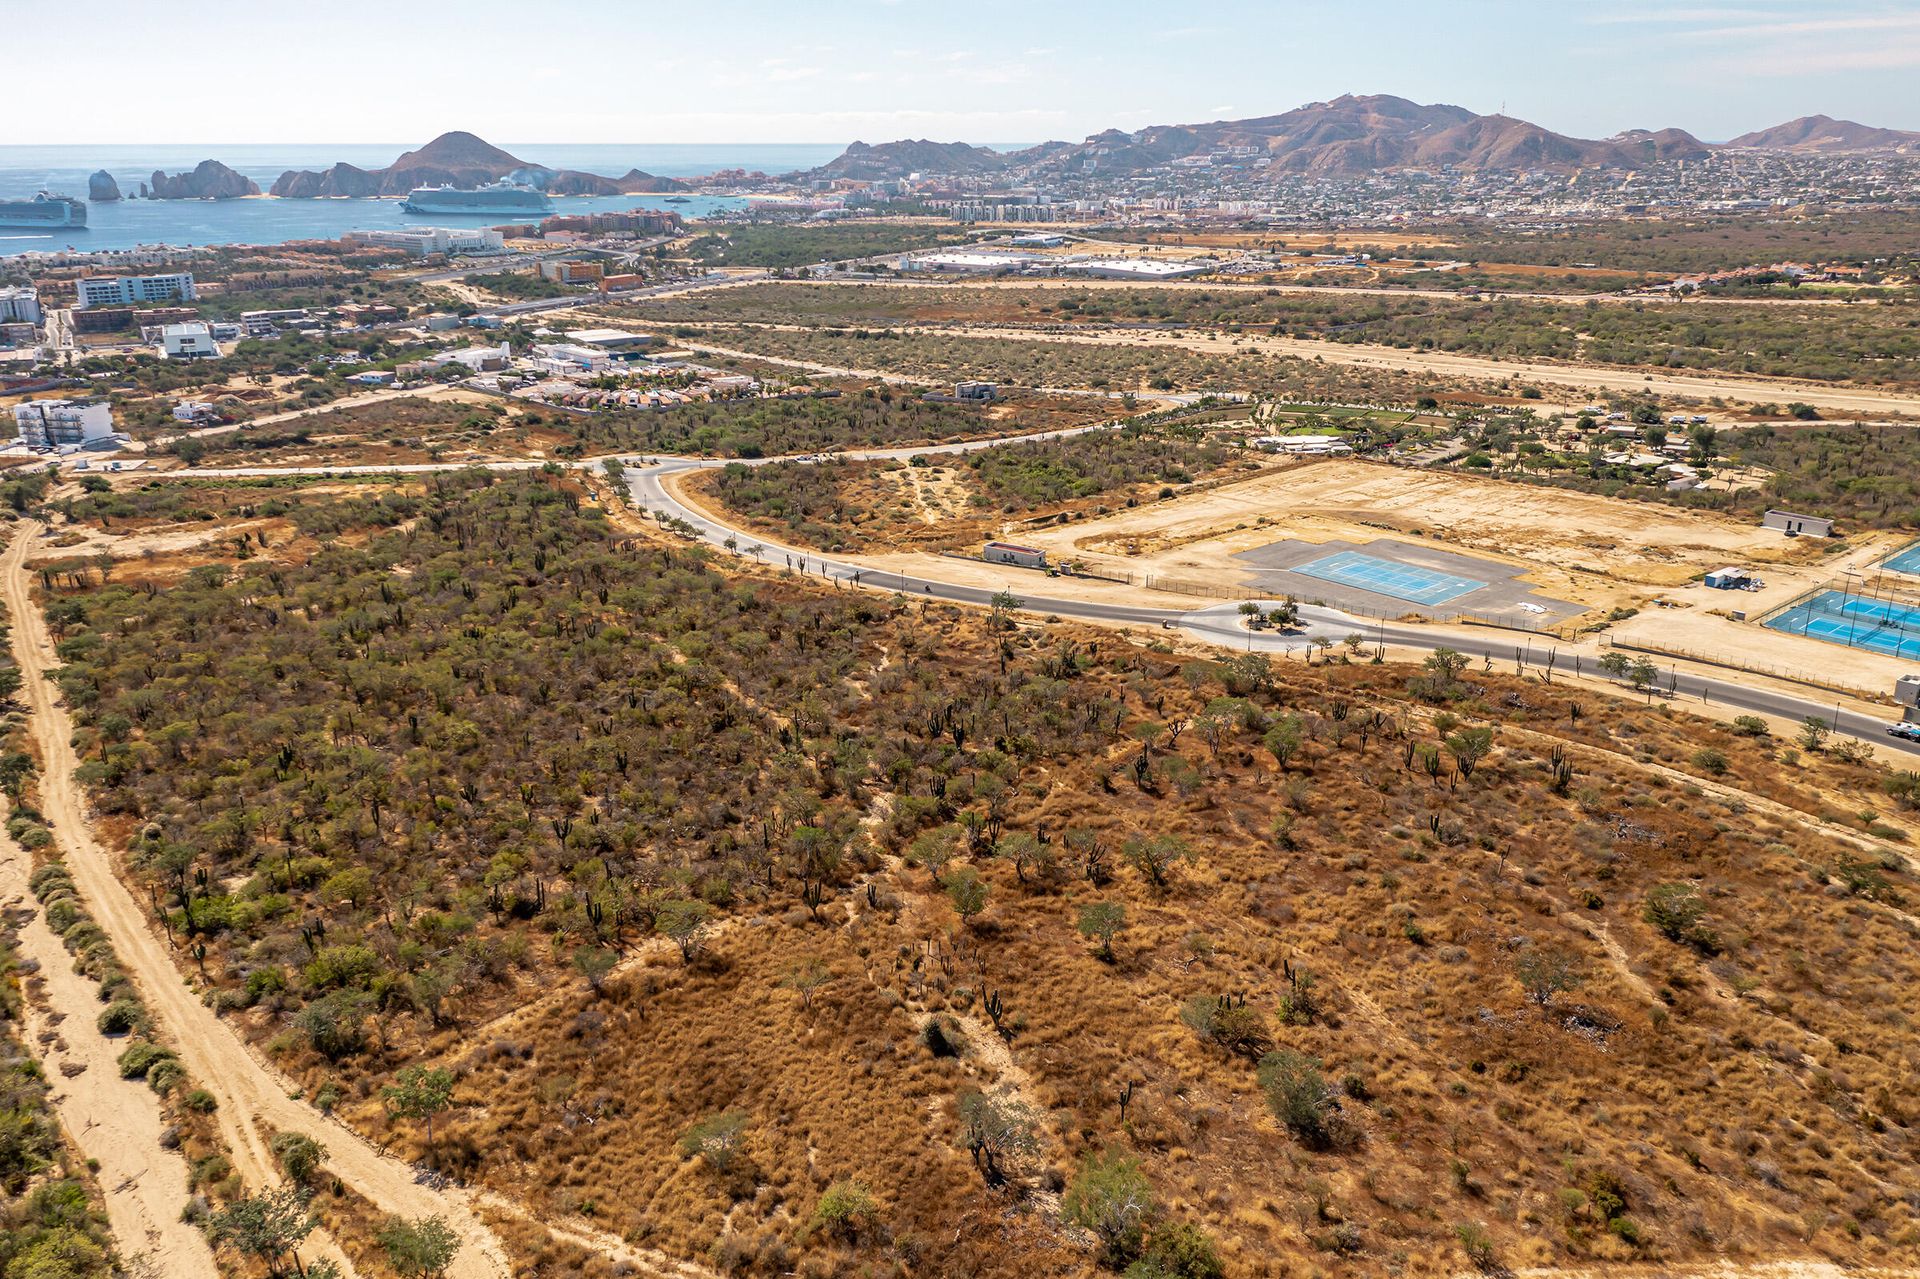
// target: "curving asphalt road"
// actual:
[[1218, 624]]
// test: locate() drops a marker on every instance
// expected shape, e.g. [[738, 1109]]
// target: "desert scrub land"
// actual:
[[795, 929], [869, 417], [1877, 343], [51, 1220], [939, 357], [936, 500]]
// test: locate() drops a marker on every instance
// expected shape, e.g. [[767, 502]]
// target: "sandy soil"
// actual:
[[112, 1120], [254, 1100], [1575, 546]]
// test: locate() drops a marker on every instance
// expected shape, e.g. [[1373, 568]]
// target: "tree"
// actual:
[[1469, 746], [1285, 738], [1111, 1197], [845, 1209], [1545, 972], [996, 1131], [595, 963], [934, 848], [419, 1093], [685, 921], [1155, 855], [268, 1227], [968, 893], [1103, 919], [717, 1139], [1300, 1097], [1813, 734], [419, 1247]]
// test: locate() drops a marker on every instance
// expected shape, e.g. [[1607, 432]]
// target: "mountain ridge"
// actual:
[[1348, 135]]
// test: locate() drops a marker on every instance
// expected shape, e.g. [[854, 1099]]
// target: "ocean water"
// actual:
[[64, 171]]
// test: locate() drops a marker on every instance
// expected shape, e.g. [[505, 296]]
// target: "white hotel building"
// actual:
[[48, 424], [128, 290]]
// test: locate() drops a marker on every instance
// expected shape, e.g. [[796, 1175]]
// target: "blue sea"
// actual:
[[64, 170]]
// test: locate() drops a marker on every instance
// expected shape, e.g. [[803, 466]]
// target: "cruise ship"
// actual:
[[44, 213], [494, 199]]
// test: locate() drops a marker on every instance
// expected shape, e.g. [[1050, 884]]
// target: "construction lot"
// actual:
[[1589, 550]]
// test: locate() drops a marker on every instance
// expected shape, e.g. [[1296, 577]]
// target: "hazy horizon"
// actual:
[[750, 72]]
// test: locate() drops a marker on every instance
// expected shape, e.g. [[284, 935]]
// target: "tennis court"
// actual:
[[1907, 561], [1858, 621], [1401, 581]]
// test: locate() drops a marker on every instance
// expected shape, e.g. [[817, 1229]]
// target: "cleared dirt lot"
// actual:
[[1578, 546]]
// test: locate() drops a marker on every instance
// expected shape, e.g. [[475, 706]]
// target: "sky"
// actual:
[[984, 71]]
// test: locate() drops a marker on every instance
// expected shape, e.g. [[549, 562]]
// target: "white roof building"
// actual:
[[1138, 268], [188, 342]]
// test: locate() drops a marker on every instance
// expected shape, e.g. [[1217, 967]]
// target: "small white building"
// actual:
[[1794, 525], [1304, 445], [188, 342], [52, 424], [129, 290], [195, 411], [1008, 553], [563, 358], [476, 359], [1728, 579]]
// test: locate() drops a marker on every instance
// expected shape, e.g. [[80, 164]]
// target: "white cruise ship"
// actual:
[[495, 199], [44, 212]]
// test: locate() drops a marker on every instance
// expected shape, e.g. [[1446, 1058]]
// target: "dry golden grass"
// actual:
[[1756, 1102]]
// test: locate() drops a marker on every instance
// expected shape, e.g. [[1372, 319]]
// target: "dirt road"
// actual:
[[115, 1121], [254, 1100], [1587, 378]]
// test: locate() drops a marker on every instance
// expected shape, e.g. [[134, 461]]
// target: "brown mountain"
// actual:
[[898, 159], [1822, 133], [209, 180], [1351, 134], [459, 159]]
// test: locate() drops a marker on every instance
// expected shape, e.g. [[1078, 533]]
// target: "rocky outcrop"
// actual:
[[460, 160], [340, 180], [210, 180], [102, 189]]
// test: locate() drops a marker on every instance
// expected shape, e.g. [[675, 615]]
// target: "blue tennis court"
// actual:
[[1907, 561], [1402, 581], [1858, 621]]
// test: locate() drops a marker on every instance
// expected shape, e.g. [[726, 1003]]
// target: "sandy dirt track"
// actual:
[[1586, 378], [1842, 400], [254, 1100], [112, 1120]]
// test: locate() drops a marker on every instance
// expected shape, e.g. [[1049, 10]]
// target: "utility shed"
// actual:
[[1008, 553], [1794, 525], [1729, 579]]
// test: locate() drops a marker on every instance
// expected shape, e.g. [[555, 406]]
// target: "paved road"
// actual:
[[1219, 624]]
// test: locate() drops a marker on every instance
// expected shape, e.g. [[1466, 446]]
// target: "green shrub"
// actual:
[[140, 1058], [122, 1016]]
